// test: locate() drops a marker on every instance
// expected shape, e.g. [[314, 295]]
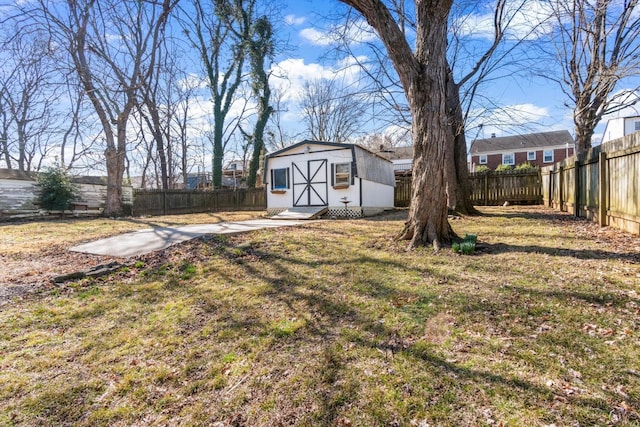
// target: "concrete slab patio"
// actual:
[[149, 240], [301, 213]]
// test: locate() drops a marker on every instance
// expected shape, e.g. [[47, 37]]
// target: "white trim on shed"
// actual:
[[345, 178]]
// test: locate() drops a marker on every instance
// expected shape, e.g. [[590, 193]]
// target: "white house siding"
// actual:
[[373, 198], [17, 195], [376, 197], [613, 130], [619, 127], [374, 168]]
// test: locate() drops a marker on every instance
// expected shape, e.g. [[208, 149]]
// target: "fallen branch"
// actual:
[[97, 271]]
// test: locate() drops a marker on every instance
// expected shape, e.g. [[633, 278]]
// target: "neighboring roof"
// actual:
[[397, 153], [519, 142]]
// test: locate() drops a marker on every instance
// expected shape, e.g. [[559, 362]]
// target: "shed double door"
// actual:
[[310, 183]]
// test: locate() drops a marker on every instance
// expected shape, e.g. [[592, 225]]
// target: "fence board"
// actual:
[[607, 188], [487, 188], [161, 202], [402, 193], [495, 188]]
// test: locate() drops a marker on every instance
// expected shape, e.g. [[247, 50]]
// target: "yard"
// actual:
[[328, 324]]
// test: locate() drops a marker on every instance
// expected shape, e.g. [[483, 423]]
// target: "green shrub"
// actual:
[[56, 191], [467, 246], [482, 168], [502, 168], [526, 166]]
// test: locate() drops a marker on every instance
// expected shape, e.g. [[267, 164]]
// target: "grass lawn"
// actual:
[[335, 324]]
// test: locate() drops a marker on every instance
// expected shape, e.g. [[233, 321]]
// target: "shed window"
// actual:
[[483, 159], [636, 126], [508, 159], [531, 155], [548, 156], [280, 179], [342, 174]]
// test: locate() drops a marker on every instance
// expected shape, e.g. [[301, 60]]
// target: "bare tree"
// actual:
[[112, 47], [183, 92], [218, 30], [423, 73], [470, 69], [79, 136], [28, 93], [278, 135], [596, 44], [261, 49], [330, 111], [474, 69]]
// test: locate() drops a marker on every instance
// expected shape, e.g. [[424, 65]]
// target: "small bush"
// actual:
[[526, 166], [467, 246], [482, 168], [503, 168], [56, 191]]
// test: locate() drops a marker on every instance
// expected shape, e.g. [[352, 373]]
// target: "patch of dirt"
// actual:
[[21, 275]]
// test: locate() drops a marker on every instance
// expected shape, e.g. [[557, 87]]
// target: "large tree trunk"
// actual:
[[258, 140], [585, 122], [423, 74], [432, 138], [115, 160], [113, 206], [458, 186], [431, 129]]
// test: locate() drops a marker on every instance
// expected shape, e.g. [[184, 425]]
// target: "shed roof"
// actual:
[[397, 153], [520, 142]]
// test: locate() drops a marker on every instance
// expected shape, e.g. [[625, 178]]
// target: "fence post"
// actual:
[[602, 190], [164, 202], [576, 188], [486, 188], [560, 187]]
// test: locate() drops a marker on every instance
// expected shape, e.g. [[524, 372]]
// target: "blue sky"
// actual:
[[536, 104]]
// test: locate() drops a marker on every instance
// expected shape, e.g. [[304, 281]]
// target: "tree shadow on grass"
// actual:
[[533, 214], [302, 296], [153, 222], [289, 280], [583, 254]]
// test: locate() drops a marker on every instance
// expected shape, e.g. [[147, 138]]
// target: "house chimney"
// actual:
[[493, 135]]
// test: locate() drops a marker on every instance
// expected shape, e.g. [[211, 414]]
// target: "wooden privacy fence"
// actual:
[[602, 185], [167, 202], [488, 188], [402, 192], [516, 186]]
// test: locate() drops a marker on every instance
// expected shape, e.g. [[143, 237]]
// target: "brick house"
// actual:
[[539, 149]]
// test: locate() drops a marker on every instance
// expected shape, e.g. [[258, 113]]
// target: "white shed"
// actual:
[[343, 179]]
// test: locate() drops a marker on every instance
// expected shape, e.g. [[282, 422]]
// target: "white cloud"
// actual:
[[289, 76], [510, 120], [193, 81], [401, 135], [354, 32], [316, 37], [294, 20], [624, 100]]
